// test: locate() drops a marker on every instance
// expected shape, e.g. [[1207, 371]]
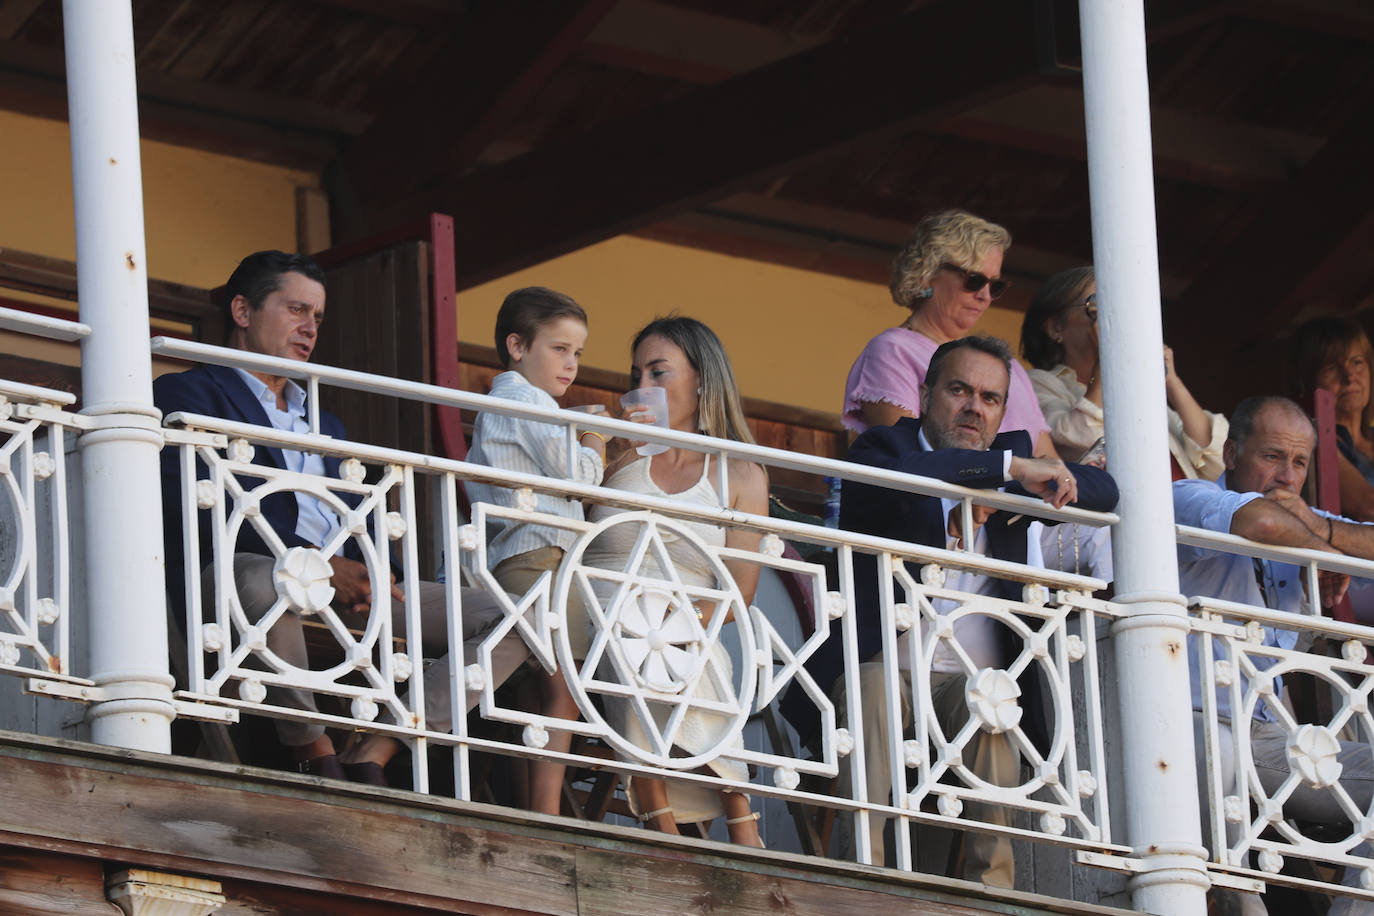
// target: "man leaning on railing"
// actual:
[[275, 304], [955, 440], [1267, 455]]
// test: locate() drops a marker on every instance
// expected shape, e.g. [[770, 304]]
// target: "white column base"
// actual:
[[139, 892]]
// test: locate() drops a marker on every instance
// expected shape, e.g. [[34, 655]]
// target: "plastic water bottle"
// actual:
[[832, 502]]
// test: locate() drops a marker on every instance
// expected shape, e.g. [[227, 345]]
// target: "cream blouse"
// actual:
[[1076, 423]]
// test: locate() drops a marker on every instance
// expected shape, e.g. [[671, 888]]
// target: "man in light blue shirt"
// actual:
[[1267, 455]]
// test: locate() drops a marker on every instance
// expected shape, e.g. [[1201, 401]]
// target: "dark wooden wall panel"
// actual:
[[377, 319]]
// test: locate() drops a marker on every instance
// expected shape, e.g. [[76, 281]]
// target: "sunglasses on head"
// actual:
[[975, 281]]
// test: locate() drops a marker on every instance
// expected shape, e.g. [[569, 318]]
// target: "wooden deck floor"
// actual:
[[285, 844]]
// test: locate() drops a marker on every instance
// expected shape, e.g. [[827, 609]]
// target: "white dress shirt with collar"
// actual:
[[314, 523], [975, 633]]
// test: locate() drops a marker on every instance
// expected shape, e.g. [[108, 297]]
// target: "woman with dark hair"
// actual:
[[686, 359], [1059, 338], [1333, 353], [947, 275]]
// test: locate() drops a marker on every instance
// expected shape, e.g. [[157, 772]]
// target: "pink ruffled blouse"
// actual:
[[892, 367]]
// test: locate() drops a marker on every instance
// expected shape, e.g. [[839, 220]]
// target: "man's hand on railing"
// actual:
[[353, 587], [1048, 478], [955, 528], [1332, 586]]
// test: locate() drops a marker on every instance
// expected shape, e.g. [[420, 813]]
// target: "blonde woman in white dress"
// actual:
[[686, 359]]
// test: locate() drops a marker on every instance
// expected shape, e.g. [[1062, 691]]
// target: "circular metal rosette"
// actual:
[[657, 677], [993, 696], [300, 577], [1313, 749]]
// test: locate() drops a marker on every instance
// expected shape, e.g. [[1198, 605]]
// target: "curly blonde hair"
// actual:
[[947, 237]]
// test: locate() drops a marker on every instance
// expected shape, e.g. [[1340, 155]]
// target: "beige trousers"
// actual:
[[518, 574], [286, 638], [983, 857]]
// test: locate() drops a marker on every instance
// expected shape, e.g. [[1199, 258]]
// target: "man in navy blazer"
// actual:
[[275, 306], [956, 440]]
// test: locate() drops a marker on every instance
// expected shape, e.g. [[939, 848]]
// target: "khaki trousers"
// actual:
[[983, 857], [286, 638], [517, 576]]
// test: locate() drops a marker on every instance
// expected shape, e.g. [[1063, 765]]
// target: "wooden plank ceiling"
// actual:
[[808, 132]]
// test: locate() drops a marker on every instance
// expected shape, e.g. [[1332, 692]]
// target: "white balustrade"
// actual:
[[1244, 818], [35, 553], [654, 664]]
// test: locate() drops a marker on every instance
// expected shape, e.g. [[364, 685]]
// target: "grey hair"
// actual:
[[1247, 412]]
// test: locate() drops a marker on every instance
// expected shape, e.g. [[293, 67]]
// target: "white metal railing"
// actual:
[[313, 375], [42, 325], [35, 552], [1063, 798], [1242, 657], [1062, 794], [763, 666]]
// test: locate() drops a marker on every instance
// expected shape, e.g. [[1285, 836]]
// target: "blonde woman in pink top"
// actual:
[[947, 275]]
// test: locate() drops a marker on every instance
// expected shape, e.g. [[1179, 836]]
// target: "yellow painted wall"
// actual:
[[792, 334], [202, 211]]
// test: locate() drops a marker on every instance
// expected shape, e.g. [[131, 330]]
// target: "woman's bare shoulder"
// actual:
[[749, 480]]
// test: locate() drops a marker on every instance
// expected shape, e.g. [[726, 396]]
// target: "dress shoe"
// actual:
[[366, 773], [326, 766]]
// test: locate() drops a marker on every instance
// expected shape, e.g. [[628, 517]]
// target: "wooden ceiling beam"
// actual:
[[1246, 293], [791, 246], [471, 90], [14, 14], [1351, 19], [648, 36], [426, 13], [637, 170], [240, 122], [1342, 281], [1187, 147]]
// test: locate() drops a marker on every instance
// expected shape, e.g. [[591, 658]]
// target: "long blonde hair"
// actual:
[[719, 410]]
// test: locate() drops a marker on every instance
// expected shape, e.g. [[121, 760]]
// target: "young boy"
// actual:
[[540, 334]]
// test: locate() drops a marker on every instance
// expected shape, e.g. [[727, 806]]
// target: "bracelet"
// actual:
[[591, 432], [1330, 532]]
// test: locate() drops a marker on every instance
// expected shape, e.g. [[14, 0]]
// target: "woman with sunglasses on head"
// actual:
[[1059, 338], [948, 274]]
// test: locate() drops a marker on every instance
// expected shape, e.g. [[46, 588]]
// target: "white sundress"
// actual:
[[700, 729]]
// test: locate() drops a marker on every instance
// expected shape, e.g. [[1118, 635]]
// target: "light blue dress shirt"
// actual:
[[1229, 577], [314, 523], [531, 447]]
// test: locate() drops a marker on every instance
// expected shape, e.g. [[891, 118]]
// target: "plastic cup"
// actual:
[[656, 400]]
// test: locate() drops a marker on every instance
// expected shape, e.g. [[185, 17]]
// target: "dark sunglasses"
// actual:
[[976, 281]]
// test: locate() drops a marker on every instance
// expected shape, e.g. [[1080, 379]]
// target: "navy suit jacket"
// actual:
[[920, 519], [217, 391]]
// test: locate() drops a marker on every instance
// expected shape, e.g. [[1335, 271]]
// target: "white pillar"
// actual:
[[1151, 645], [122, 519]]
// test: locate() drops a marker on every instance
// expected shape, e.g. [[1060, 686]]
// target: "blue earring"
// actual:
[[925, 292]]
